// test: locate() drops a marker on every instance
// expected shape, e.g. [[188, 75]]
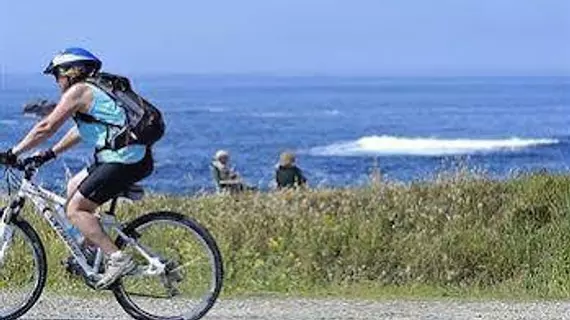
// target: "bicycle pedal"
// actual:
[[71, 266]]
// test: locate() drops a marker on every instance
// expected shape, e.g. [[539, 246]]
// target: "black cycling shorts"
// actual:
[[107, 180]]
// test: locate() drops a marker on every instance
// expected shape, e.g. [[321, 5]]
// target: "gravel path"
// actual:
[[58, 307]]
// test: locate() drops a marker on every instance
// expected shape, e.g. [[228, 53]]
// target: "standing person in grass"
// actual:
[[287, 174]]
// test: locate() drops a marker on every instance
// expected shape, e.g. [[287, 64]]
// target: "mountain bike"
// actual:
[[177, 259]]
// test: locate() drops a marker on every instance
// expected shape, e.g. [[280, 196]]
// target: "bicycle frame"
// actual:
[[42, 198]]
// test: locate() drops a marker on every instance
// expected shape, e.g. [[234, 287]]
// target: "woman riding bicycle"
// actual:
[[112, 171]]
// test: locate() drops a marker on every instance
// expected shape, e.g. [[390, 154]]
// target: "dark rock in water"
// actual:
[[39, 107]]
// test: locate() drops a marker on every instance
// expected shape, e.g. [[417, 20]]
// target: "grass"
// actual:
[[460, 236]]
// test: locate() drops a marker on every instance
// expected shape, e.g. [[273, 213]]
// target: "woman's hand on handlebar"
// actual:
[[8, 158], [40, 158]]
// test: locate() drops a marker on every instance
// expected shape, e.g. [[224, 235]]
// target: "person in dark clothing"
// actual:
[[288, 175]]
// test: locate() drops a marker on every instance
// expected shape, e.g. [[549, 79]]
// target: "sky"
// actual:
[[294, 37]]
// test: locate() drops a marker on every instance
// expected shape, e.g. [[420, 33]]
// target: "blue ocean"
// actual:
[[341, 128]]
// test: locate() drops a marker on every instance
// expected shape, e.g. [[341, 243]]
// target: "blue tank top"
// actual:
[[97, 134]]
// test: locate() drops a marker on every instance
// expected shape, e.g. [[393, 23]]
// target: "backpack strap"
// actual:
[[110, 83], [87, 118], [101, 84], [107, 88]]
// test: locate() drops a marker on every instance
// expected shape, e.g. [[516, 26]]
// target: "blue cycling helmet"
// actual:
[[72, 57]]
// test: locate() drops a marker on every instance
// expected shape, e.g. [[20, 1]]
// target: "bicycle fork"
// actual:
[[6, 234]]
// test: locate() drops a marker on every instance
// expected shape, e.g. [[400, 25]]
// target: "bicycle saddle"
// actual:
[[133, 192]]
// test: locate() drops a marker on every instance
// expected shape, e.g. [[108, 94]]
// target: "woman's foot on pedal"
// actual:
[[118, 264]]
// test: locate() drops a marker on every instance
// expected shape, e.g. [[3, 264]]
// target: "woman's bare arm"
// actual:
[[77, 97]]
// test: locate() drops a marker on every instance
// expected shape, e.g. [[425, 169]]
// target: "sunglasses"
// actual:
[[57, 72]]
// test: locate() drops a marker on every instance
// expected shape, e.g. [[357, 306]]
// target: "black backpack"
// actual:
[[144, 124]]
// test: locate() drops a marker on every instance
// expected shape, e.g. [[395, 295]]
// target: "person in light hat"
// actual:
[[287, 174], [226, 179]]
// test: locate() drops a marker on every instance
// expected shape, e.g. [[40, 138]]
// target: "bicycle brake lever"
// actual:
[[28, 167], [20, 165]]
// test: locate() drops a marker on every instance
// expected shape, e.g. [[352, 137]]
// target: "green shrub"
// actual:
[[463, 232]]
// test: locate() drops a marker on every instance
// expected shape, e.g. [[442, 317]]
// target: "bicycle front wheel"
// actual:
[[192, 280], [23, 269]]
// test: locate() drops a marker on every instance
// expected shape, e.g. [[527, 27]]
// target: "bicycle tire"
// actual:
[[122, 296], [39, 251]]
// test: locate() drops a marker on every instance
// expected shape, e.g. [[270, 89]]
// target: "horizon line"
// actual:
[[562, 73]]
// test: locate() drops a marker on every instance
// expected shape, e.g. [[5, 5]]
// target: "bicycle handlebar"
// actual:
[[25, 165]]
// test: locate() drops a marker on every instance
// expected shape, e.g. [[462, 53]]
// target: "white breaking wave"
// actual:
[[333, 112], [272, 115], [8, 122], [213, 109], [296, 114], [390, 145]]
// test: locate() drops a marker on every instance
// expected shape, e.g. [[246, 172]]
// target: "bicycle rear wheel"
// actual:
[[192, 280], [23, 269]]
